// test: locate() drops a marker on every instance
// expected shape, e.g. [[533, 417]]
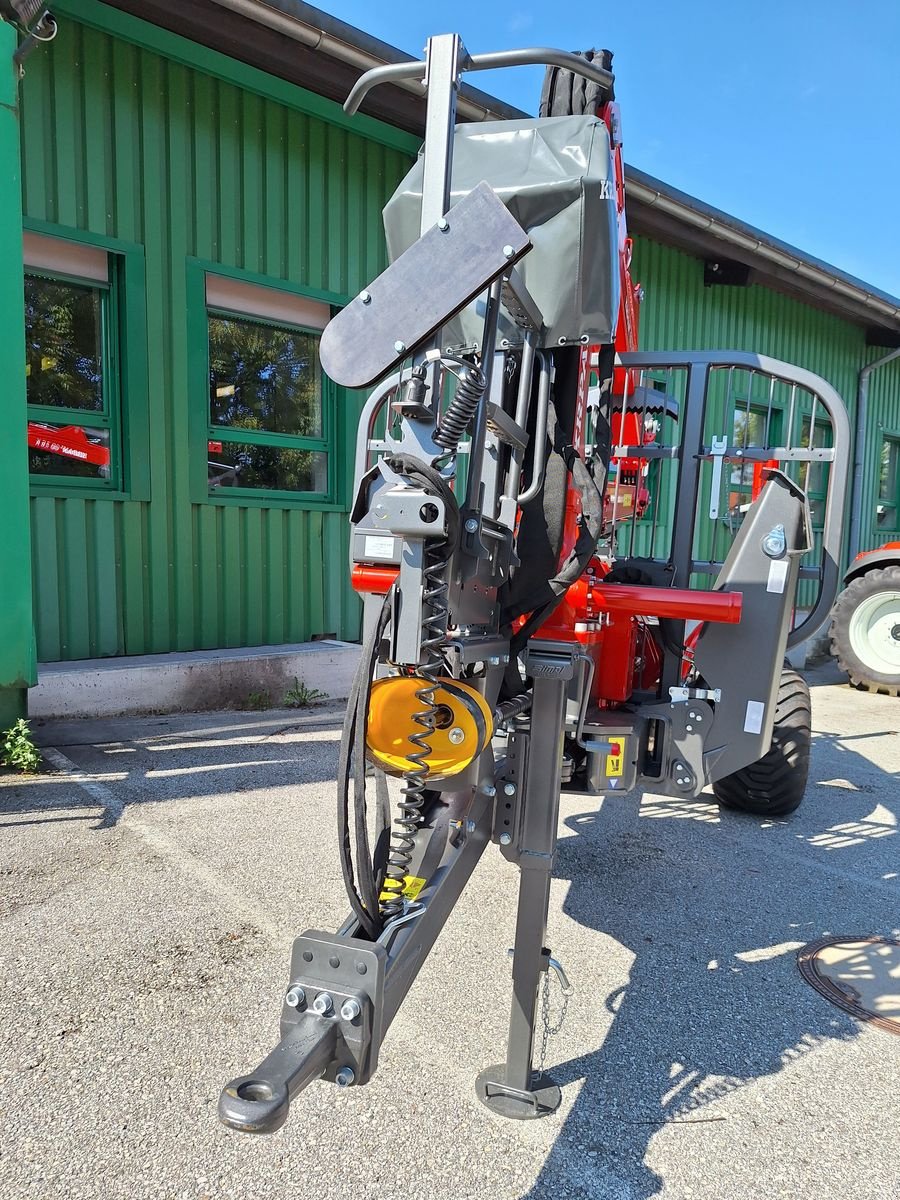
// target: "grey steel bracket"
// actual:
[[519, 302], [510, 789], [451, 264], [504, 428], [686, 761], [695, 693]]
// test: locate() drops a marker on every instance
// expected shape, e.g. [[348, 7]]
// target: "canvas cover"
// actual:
[[555, 176]]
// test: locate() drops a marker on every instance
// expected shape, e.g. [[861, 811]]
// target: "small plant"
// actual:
[[17, 749], [258, 701], [301, 696]]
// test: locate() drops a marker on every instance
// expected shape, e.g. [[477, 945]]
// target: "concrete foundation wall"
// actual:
[[204, 679]]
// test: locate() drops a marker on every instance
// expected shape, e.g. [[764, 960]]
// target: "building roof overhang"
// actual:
[[308, 47]]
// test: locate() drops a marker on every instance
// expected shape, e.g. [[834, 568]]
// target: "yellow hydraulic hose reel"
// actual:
[[463, 725]]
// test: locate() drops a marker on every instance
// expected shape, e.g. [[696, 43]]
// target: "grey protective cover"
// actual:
[[555, 176]]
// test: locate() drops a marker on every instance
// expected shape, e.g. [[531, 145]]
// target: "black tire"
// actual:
[[774, 786], [568, 95], [856, 646]]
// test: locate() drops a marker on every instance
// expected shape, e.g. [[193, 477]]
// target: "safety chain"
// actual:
[[549, 1030]]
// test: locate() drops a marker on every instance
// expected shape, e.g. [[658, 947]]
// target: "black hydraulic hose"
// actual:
[[364, 870], [361, 885]]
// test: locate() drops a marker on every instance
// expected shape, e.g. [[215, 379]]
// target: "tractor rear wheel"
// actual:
[[774, 786], [865, 630]]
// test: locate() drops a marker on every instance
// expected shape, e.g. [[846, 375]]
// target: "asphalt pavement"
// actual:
[[151, 885]]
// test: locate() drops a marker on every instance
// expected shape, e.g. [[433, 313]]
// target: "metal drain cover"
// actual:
[[859, 975]]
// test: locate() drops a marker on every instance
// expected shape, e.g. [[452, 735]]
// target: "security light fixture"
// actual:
[[21, 12]]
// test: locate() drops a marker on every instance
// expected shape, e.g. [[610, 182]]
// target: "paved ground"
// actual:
[[147, 911]]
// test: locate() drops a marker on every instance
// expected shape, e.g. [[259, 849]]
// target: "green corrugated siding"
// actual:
[[122, 142], [679, 313]]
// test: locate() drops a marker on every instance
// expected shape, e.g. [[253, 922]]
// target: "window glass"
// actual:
[[63, 344], [268, 422], [249, 465], [752, 428], [70, 450], [71, 391], [264, 377]]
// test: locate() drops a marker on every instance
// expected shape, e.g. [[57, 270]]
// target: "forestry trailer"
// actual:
[[580, 564]]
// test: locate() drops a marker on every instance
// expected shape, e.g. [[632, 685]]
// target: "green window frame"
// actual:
[[278, 296], [125, 412], [887, 504]]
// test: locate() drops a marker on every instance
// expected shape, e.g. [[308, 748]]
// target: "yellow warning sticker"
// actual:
[[615, 760], [412, 885]]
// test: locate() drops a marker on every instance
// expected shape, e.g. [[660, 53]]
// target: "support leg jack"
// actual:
[[513, 1089]]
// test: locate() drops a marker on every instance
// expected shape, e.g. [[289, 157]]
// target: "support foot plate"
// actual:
[[541, 1099]]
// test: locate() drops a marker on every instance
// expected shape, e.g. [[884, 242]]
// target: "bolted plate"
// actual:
[[861, 975], [418, 293], [542, 1099]]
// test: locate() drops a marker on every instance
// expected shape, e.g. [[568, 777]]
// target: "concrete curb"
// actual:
[[191, 682]]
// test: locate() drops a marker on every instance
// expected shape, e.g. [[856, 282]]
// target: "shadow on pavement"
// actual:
[[714, 1000], [165, 760]]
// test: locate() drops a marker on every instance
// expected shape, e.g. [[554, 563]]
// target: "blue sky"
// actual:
[[785, 114]]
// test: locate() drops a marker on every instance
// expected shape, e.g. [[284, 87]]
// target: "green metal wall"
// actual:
[[132, 133], [17, 664], [128, 142], [679, 313]]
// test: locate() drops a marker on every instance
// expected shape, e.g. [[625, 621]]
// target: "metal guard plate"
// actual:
[[423, 289]]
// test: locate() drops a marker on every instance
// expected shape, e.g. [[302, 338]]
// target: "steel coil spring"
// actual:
[[461, 409], [435, 609]]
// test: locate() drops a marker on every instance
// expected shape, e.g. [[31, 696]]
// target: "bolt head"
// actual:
[[443, 224], [774, 543], [365, 297], [350, 1010], [471, 525], [470, 826], [489, 789], [509, 789], [296, 997], [400, 347], [345, 1077], [456, 736], [689, 728], [323, 1004], [508, 251], [505, 839]]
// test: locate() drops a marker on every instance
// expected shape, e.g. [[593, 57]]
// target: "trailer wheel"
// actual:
[[774, 786], [865, 630], [568, 95]]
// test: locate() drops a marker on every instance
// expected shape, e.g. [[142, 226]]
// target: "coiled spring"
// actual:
[[461, 409], [435, 609]]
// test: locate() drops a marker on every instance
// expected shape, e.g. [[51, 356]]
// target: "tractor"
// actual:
[[865, 621]]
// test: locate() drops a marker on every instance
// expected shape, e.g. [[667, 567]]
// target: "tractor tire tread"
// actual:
[[853, 594]]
